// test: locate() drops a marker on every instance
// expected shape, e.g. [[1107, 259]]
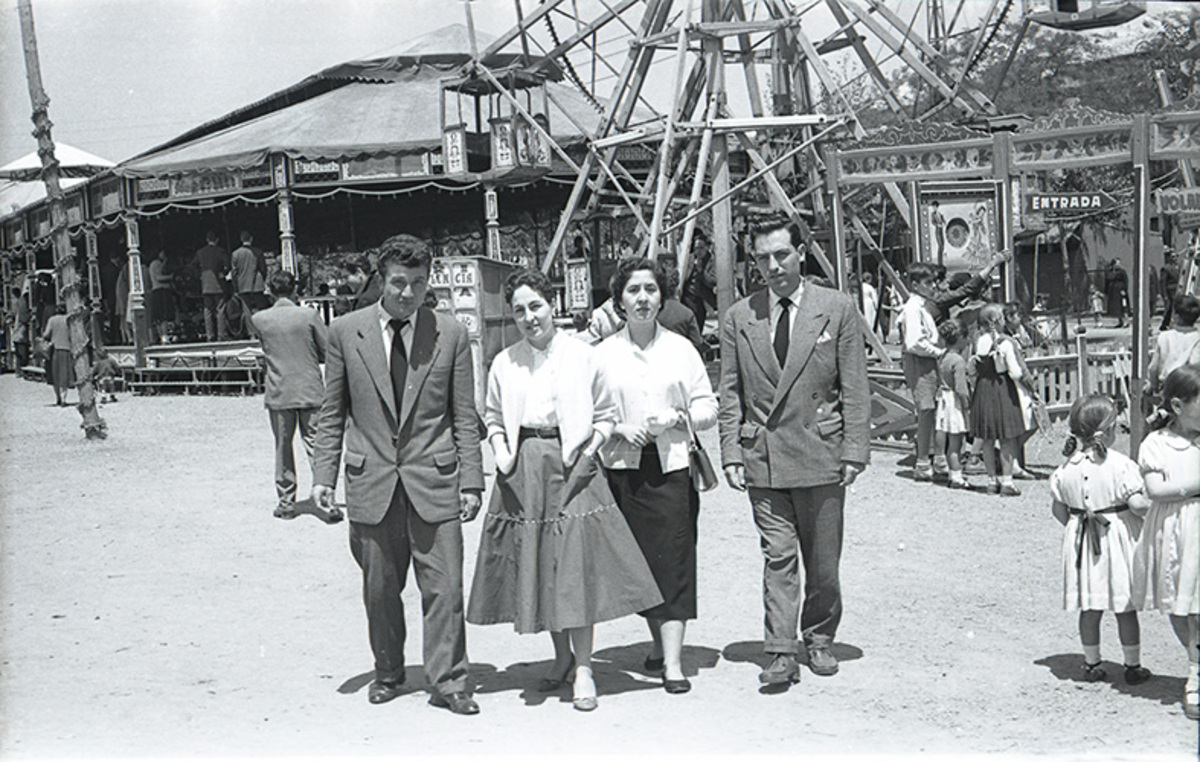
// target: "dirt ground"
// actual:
[[151, 606]]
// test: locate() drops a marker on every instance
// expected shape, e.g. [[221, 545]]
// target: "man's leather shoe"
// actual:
[[285, 512], [822, 661], [383, 692], [457, 702], [782, 670]]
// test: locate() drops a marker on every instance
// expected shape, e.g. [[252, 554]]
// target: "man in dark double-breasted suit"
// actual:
[[400, 394], [794, 424]]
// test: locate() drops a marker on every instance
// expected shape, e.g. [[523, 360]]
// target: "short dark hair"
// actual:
[[281, 283], [210, 236], [404, 250], [246, 236], [534, 279], [950, 331], [921, 272], [769, 223], [1187, 309], [625, 270]]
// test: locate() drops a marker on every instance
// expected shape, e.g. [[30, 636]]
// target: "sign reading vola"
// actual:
[[1068, 202], [1179, 200]]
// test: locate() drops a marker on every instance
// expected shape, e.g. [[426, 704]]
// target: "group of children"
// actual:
[[968, 377], [1132, 539]]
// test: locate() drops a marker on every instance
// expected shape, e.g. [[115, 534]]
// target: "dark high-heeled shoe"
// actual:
[[653, 664], [677, 686], [551, 684]]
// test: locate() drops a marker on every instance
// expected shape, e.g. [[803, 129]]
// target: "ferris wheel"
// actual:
[[679, 85]]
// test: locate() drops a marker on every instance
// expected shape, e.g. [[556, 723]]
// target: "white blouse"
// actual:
[[667, 375]]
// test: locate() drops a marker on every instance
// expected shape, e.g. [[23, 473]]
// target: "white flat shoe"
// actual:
[[584, 690]]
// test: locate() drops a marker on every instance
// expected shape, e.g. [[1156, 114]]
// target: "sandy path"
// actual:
[[152, 606]]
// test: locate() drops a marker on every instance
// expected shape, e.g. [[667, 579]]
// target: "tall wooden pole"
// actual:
[[94, 426], [722, 213], [1141, 293]]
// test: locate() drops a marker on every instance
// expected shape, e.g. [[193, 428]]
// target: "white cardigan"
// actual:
[[582, 400]]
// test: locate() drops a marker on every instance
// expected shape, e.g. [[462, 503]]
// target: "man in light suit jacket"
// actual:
[[293, 343], [400, 393], [294, 347], [794, 423]]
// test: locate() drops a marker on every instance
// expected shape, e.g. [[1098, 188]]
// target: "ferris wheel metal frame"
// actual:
[[804, 108]]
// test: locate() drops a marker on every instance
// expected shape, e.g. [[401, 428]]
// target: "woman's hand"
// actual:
[[657, 423], [633, 434]]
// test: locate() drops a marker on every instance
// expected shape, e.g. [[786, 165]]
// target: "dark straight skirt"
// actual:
[[549, 560], [662, 511]]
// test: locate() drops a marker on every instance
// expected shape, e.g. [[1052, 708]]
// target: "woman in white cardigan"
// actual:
[[660, 384], [555, 554]]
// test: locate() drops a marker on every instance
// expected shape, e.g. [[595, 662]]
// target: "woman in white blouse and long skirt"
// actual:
[[659, 383], [555, 553]]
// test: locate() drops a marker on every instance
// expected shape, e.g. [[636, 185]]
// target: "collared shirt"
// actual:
[[777, 308], [540, 394], [386, 331], [667, 375], [918, 329]]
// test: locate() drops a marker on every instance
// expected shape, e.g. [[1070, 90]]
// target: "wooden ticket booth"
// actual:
[[472, 290]]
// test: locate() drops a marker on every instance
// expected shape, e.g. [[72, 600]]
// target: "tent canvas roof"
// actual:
[[358, 119], [384, 105], [18, 192]]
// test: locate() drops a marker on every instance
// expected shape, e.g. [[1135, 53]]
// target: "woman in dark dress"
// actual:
[[657, 380], [555, 553]]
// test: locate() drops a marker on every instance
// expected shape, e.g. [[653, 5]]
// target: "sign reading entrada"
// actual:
[[1068, 202]]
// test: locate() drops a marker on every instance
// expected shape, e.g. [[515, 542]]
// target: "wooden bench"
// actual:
[[202, 380]]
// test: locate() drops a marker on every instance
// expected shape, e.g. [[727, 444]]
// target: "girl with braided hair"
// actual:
[[1100, 498]]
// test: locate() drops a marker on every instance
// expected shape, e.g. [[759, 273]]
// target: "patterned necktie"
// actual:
[[399, 362], [783, 330]]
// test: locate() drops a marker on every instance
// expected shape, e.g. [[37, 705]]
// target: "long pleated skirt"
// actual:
[[555, 552]]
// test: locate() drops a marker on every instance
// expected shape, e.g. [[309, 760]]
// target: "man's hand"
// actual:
[[322, 496], [850, 472], [735, 476], [469, 502]]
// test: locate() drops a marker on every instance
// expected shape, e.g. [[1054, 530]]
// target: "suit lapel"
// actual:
[[370, 348], [758, 333], [810, 321], [425, 349]]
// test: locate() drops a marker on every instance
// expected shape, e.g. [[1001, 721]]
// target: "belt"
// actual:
[[549, 432], [1089, 527]]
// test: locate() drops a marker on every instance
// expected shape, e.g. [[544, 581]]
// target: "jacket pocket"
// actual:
[[355, 462], [445, 462], [748, 431], [829, 427]]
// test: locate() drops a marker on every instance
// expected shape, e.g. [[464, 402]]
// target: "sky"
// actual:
[[124, 76]]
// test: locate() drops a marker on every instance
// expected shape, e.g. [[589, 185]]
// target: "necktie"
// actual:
[[783, 330], [399, 363]]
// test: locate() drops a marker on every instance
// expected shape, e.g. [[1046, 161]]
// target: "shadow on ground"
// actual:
[[1166, 690]]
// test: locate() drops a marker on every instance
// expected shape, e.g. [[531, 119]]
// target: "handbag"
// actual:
[[704, 476]]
